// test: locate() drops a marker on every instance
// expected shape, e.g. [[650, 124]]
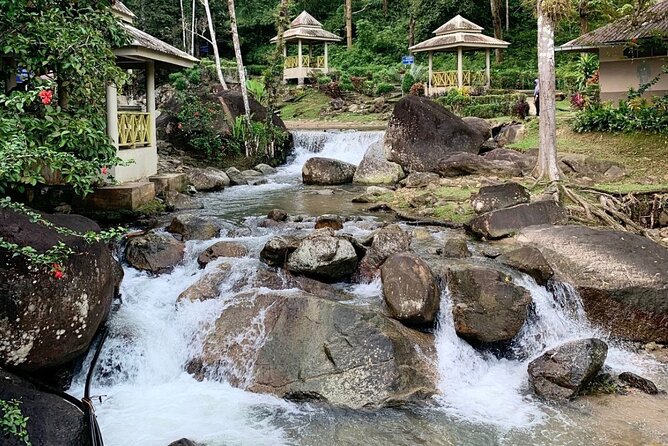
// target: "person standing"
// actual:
[[536, 96]]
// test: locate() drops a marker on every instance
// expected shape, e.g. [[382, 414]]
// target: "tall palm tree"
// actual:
[[240, 66], [212, 33]]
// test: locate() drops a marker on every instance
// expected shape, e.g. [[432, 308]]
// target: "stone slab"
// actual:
[[127, 196], [168, 182]]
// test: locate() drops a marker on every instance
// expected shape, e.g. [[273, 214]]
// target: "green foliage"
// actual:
[[57, 127], [197, 117], [383, 88], [13, 423], [257, 90], [635, 114], [259, 136], [488, 106], [587, 65], [407, 82]]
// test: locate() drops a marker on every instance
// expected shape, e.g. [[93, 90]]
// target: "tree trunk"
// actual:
[[384, 7], [192, 31], [216, 55], [507, 15], [349, 23], [411, 30], [583, 12], [547, 153], [183, 25], [498, 30], [240, 68]]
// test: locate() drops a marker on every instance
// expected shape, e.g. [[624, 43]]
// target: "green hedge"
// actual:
[[521, 79], [629, 115], [488, 106]]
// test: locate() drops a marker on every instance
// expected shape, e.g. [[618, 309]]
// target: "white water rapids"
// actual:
[[148, 399]]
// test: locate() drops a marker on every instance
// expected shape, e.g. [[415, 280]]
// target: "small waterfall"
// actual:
[[478, 386], [348, 146]]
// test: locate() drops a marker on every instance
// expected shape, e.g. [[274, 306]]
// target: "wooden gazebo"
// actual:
[[132, 129], [458, 34], [305, 30]]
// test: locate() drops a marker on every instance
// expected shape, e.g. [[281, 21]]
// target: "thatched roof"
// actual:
[[306, 28], [458, 32], [654, 21]]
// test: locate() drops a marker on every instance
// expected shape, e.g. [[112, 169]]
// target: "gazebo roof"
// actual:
[[458, 32], [144, 46], [306, 27], [652, 22]]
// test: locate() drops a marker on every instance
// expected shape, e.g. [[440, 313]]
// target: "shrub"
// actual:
[[521, 108], [488, 106], [407, 82], [633, 114], [332, 89], [417, 89], [322, 80], [383, 88], [358, 83]]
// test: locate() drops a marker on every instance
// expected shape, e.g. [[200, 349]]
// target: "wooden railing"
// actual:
[[134, 129], [307, 62], [449, 78]]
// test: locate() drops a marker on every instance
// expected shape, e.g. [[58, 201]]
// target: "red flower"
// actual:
[[46, 96], [57, 271], [104, 170], [197, 114]]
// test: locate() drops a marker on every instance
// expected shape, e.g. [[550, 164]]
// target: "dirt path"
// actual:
[[328, 125]]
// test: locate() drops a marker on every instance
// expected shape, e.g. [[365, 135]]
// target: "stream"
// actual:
[[147, 398]]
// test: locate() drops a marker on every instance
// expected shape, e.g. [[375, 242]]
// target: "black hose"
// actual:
[[95, 433]]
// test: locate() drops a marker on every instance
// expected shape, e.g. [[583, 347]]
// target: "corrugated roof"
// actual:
[[306, 27], [145, 40], [648, 24], [458, 23], [448, 37]]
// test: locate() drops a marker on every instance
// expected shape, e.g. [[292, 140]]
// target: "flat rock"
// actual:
[[327, 172], [193, 227], [154, 252], [329, 221], [208, 179], [265, 169], [463, 163], [376, 169], [530, 261], [491, 198], [176, 201], [504, 222], [221, 249], [237, 178]]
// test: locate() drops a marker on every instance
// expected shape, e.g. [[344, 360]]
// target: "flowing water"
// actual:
[[147, 397]]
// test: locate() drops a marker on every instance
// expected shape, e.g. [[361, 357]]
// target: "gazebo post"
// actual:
[[460, 71], [150, 100], [326, 59], [431, 57], [112, 114], [300, 78], [488, 75]]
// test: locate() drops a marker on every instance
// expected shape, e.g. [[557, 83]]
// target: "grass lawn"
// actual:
[[312, 104]]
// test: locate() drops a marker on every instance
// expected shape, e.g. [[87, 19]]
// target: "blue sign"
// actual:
[[407, 60]]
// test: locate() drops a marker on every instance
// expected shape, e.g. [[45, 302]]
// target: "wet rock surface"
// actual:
[[329, 221], [193, 227], [327, 172], [621, 277], [559, 374], [221, 249], [175, 201], [154, 252], [487, 306], [323, 256], [638, 382], [376, 169], [410, 289], [208, 179], [320, 350], [277, 250], [529, 260], [385, 242]]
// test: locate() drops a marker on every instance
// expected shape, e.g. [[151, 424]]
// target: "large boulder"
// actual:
[[421, 132], [560, 373], [327, 171], [491, 198], [208, 179], [421, 179], [386, 241], [487, 306], [329, 221], [46, 321], [318, 350], [176, 201], [376, 169], [52, 420], [193, 227], [208, 286], [236, 177], [323, 256], [463, 163], [154, 252], [410, 289], [504, 222], [621, 277], [524, 161]]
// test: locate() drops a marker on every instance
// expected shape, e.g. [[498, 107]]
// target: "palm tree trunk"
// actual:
[[192, 30], [216, 55], [183, 25], [547, 154], [498, 29], [240, 68]]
